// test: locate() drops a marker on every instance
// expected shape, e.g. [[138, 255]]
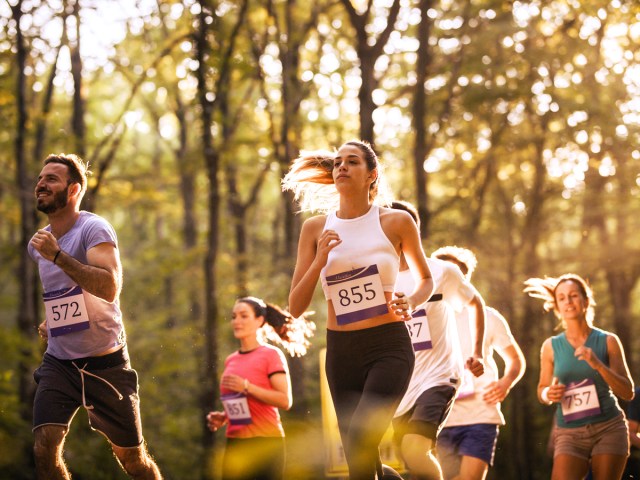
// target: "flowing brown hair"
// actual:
[[545, 289], [310, 178], [282, 328]]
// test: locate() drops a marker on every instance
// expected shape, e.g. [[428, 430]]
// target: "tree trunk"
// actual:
[[419, 112], [211, 156], [619, 263], [531, 235], [238, 216], [28, 309], [615, 256], [78, 122], [187, 169], [41, 122], [286, 138], [365, 94], [368, 54]]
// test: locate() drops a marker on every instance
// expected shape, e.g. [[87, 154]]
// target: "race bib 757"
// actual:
[[580, 400]]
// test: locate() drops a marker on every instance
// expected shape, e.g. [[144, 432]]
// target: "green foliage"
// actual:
[[15, 431], [532, 132]]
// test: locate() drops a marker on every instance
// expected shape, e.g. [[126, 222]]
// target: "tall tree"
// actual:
[[209, 23], [604, 225], [212, 158], [78, 121], [293, 22], [418, 118], [28, 311], [369, 49]]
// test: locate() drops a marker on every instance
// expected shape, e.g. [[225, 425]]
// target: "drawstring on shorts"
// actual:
[[82, 374]]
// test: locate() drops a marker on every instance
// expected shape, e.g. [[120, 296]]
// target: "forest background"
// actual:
[[513, 125]]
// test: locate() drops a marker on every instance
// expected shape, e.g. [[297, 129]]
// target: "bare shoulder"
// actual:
[[395, 218], [610, 335], [313, 226], [613, 341], [393, 213], [547, 347]]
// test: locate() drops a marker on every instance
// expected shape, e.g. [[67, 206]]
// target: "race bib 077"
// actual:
[[357, 294], [418, 328], [66, 311]]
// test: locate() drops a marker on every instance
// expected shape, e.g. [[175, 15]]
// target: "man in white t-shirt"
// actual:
[[439, 365], [466, 446]]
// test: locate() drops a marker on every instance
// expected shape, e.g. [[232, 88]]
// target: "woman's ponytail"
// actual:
[[280, 327], [293, 334]]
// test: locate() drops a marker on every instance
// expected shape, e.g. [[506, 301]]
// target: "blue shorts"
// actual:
[[478, 441]]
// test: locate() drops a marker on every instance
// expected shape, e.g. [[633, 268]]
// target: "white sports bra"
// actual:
[[364, 243]]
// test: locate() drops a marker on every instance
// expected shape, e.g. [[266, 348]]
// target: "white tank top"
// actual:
[[364, 243], [442, 363]]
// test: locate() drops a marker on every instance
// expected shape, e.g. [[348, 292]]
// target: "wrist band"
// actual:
[[246, 386], [544, 395], [56, 256]]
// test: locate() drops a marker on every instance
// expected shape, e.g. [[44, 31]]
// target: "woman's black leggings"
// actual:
[[368, 373]]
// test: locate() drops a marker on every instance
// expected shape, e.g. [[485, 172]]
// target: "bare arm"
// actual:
[[617, 373], [514, 367], [404, 229], [555, 390], [475, 363], [477, 304], [633, 433], [216, 420], [313, 249], [101, 276], [515, 364], [278, 396]]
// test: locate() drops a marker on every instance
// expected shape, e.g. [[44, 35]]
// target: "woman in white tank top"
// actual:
[[355, 251]]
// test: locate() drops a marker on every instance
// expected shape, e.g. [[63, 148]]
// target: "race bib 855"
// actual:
[[357, 294]]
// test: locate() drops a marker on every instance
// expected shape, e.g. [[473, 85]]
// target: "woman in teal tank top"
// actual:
[[582, 371]]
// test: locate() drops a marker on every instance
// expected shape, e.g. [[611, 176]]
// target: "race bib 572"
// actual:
[[66, 311]]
